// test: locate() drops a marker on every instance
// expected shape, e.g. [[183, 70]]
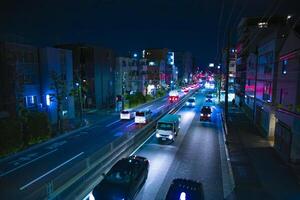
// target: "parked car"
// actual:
[[124, 179], [127, 114], [142, 117], [185, 189], [191, 102], [205, 113]]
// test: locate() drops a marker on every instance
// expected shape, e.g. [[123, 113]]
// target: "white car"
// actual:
[[127, 114], [142, 117], [191, 102]]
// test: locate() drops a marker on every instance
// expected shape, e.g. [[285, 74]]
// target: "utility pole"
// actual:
[[79, 93], [227, 75], [255, 84]]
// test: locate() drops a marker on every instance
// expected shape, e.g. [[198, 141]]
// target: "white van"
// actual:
[[142, 117]]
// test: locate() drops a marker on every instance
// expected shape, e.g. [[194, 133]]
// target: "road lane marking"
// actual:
[[160, 107], [130, 124], [12, 170], [112, 123], [148, 107], [52, 170], [56, 144], [142, 144]]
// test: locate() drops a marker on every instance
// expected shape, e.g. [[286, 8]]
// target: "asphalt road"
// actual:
[[195, 154], [22, 174]]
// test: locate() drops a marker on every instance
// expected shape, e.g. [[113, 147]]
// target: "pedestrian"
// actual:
[[240, 104]]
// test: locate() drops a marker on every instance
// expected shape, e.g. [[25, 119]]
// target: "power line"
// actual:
[[219, 24], [228, 22]]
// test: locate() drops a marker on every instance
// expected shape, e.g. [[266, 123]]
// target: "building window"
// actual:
[[123, 63], [284, 65], [262, 25], [30, 101], [27, 79]]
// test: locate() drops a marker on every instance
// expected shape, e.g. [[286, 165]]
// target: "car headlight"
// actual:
[[170, 137], [201, 114], [187, 103], [208, 115], [193, 104], [157, 135]]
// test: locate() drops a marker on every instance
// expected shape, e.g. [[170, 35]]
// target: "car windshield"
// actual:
[[164, 126], [125, 112], [120, 173], [191, 100], [206, 110], [142, 114]]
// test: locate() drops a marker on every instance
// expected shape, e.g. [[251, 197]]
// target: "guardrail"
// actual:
[[78, 180], [227, 174]]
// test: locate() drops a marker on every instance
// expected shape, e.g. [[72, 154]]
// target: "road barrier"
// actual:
[[227, 174], [77, 180]]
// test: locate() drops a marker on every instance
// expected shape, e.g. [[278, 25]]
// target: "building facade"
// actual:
[[257, 67], [184, 63], [161, 66], [20, 83], [287, 129], [26, 79], [59, 61], [128, 77], [93, 69]]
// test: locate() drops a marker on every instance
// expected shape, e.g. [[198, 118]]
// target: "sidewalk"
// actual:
[[258, 171]]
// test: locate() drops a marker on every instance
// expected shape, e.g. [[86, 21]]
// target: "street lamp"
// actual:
[[80, 101]]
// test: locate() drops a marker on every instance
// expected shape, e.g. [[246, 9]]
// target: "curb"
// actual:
[[227, 174]]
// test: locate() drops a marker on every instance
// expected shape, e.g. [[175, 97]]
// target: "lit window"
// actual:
[[151, 63], [284, 65], [31, 101], [262, 25], [48, 100]]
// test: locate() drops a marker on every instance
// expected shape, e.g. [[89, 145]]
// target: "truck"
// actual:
[[168, 127]]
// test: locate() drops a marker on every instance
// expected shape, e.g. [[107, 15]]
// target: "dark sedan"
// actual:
[[185, 189], [205, 113], [124, 179]]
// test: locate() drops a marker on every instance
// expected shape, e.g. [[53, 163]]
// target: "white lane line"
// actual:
[[52, 170], [130, 124], [112, 123], [148, 107], [12, 170], [142, 144], [160, 107]]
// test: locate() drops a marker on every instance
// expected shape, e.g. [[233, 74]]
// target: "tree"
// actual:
[[22, 111], [59, 94], [218, 78]]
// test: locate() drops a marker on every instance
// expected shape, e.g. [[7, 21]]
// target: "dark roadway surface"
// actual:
[[22, 174], [195, 154]]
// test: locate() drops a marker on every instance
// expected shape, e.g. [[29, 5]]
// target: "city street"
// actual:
[[23, 173], [195, 155]]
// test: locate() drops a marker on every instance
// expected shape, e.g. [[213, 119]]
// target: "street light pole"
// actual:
[[227, 75]]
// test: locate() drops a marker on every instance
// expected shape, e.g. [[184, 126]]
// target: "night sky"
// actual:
[[124, 25]]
